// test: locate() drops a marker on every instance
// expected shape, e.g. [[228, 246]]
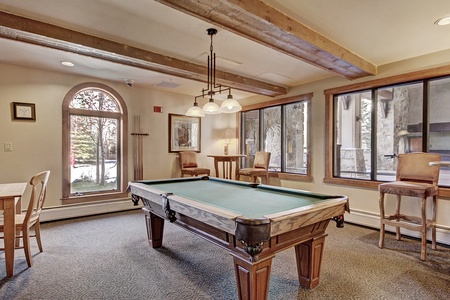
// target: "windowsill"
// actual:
[[291, 176], [443, 191], [92, 198]]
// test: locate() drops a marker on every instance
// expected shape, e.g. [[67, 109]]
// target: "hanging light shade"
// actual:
[[211, 108], [230, 105], [195, 111]]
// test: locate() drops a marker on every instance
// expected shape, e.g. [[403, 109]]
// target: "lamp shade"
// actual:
[[211, 108], [230, 105], [228, 134], [195, 111]]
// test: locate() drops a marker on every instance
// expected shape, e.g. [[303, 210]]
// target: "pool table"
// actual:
[[252, 221]]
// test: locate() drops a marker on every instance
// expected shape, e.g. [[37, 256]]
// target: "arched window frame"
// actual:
[[67, 197]]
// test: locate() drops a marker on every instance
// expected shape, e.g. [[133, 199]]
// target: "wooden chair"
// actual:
[[415, 178], [260, 167], [30, 218], [189, 166]]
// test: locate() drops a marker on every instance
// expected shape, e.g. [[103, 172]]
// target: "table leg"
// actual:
[[224, 172], [155, 228], [252, 278], [9, 235], [309, 258], [216, 166]]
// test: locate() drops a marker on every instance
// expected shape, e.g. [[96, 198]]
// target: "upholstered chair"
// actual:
[[189, 165], [260, 168]]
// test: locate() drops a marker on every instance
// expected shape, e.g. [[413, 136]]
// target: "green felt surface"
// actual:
[[240, 198]]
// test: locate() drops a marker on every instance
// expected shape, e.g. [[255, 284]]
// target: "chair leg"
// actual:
[[381, 202], [26, 246], [397, 213], [423, 230], [37, 230], [433, 224]]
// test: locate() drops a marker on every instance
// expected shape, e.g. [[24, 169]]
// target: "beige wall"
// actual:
[[37, 146]]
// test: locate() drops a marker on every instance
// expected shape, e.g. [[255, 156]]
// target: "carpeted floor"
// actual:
[[108, 257]]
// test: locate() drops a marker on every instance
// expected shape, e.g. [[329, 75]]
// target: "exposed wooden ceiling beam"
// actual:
[[262, 23], [35, 32]]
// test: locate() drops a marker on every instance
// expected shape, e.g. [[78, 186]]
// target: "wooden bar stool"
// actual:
[[415, 178]]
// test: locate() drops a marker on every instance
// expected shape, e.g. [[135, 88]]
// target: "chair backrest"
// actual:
[[262, 160], [38, 193], [415, 167], [188, 159]]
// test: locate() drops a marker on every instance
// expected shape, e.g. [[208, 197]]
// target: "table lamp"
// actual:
[[228, 134]]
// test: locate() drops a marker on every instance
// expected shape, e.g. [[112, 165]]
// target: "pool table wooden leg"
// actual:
[[253, 278], [155, 228], [309, 259]]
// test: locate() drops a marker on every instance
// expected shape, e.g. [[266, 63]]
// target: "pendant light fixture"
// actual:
[[228, 106]]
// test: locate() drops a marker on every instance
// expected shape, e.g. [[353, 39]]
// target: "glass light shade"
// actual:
[[443, 21], [195, 111], [211, 108], [230, 105]]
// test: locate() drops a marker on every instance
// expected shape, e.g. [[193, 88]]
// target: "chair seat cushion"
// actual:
[[408, 188], [196, 171], [253, 172]]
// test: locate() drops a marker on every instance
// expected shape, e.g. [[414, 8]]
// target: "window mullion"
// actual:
[[283, 138], [425, 117], [373, 136]]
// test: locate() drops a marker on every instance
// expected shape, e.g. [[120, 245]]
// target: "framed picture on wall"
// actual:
[[23, 111], [184, 133]]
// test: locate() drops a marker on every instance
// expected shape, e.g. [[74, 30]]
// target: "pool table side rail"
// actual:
[[297, 192], [285, 221], [223, 219]]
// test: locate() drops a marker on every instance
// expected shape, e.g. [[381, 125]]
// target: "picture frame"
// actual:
[[23, 111], [184, 133]]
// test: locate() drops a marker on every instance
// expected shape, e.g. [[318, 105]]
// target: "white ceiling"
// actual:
[[381, 32]]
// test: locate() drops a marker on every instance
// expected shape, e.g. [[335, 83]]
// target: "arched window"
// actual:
[[94, 144]]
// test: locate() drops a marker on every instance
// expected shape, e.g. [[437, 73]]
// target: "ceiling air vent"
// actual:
[[167, 84]]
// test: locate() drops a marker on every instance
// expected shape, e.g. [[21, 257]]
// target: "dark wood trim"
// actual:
[[97, 197], [122, 147], [391, 80], [277, 102]]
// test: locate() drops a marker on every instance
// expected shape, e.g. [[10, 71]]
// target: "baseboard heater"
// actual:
[[85, 209]]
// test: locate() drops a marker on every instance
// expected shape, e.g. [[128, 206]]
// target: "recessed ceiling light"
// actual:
[[443, 21], [67, 64]]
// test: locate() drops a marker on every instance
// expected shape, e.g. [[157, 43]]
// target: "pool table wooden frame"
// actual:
[[302, 228]]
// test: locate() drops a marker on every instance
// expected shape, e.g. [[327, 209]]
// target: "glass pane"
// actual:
[[439, 118], [272, 136], [94, 100], [296, 137], [399, 126], [251, 136], [93, 155], [353, 135]]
